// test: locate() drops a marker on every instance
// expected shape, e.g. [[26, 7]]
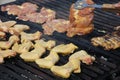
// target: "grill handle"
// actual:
[[110, 8]]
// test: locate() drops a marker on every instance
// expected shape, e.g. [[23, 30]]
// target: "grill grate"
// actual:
[[106, 66]]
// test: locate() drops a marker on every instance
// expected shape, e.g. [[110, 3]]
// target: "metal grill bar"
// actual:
[[100, 70]]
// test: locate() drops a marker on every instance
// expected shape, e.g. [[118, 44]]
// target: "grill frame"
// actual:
[[102, 69]]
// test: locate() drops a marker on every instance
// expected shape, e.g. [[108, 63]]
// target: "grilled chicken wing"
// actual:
[[4, 26], [6, 54], [30, 36], [48, 61], [22, 48], [65, 49], [73, 64], [46, 44], [18, 28], [9, 43], [36, 53]]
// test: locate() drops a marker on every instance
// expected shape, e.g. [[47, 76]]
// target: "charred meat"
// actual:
[[109, 41]]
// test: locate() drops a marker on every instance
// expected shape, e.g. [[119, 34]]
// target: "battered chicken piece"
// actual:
[[6, 54], [65, 49], [4, 26], [81, 21], [30, 36], [18, 28], [73, 65], [9, 43], [36, 53], [22, 48], [109, 41], [48, 61], [46, 44], [59, 25]]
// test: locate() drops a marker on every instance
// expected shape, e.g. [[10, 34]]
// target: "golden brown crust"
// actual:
[[80, 21]]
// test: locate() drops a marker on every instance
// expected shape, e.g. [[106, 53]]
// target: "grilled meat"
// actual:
[[18, 28], [48, 61], [80, 21], [39, 17], [7, 44], [11, 9], [36, 53], [6, 54], [22, 48], [39, 49], [4, 26], [109, 41], [48, 14], [18, 10], [73, 65], [59, 25], [46, 44], [117, 5], [2, 34], [30, 36], [65, 49], [28, 12]]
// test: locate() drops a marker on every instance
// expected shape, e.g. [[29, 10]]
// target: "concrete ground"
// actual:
[[6, 1]]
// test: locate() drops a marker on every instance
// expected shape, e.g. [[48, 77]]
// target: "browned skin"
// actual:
[[109, 41], [81, 21]]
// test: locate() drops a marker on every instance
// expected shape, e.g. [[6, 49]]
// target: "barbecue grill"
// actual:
[[106, 66]]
